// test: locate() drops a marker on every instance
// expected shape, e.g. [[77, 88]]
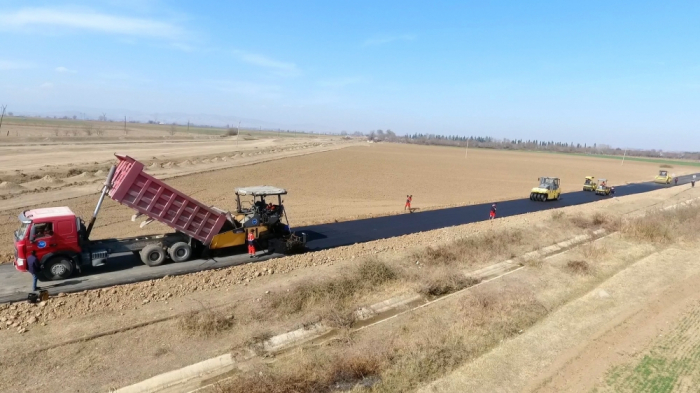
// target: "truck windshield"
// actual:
[[22, 231]]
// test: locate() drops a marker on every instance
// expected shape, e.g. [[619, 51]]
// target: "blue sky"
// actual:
[[621, 73]]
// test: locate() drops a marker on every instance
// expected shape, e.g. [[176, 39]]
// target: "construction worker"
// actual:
[[251, 244], [492, 213], [692, 182], [33, 268], [675, 180], [409, 199], [612, 192]]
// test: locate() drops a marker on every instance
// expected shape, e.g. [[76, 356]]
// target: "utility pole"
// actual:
[[188, 126], [467, 150], [125, 132], [623, 157], [2, 116], [238, 132]]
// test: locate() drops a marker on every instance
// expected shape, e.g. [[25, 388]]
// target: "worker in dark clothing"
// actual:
[[675, 180], [612, 192], [692, 182], [33, 268], [492, 213]]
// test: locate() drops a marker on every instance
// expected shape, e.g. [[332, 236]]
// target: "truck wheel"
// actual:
[[58, 268], [180, 252], [153, 255]]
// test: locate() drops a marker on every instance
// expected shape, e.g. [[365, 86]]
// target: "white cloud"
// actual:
[[28, 18], [279, 67], [6, 65], [46, 85], [64, 70], [388, 39]]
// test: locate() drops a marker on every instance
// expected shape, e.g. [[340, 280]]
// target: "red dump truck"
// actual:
[[61, 241]]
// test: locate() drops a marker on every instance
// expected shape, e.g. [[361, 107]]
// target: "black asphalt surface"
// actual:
[[339, 234], [15, 285]]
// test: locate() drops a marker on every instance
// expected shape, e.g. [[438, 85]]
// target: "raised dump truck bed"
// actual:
[[151, 197], [62, 244]]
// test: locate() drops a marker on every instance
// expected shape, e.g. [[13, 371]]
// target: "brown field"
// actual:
[[352, 182]]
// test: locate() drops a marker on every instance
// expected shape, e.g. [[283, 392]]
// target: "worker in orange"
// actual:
[[492, 213], [409, 199], [251, 244]]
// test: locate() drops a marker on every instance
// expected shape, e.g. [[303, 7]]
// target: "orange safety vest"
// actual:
[[251, 236]]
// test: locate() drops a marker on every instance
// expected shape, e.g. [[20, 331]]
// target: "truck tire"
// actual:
[[180, 252], [153, 255], [58, 268]]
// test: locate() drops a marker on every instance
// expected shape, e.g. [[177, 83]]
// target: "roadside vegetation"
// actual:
[[406, 356], [407, 353]]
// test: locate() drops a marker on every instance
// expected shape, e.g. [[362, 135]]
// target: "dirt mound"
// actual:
[[168, 165], [82, 175], [154, 165], [101, 173], [185, 163], [215, 159], [50, 179], [8, 185]]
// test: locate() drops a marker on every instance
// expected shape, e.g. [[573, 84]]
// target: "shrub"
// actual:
[[578, 267], [205, 323]]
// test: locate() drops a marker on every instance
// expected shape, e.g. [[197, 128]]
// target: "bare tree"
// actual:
[[173, 129], [99, 131], [88, 129]]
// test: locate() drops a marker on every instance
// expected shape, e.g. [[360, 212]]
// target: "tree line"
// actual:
[[487, 142]]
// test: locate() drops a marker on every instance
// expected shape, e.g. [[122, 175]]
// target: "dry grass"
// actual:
[[312, 371], [443, 282], [205, 323], [422, 348], [533, 262], [557, 215], [334, 293], [474, 249], [578, 267], [663, 226], [589, 222], [592, 252], [428, 344]]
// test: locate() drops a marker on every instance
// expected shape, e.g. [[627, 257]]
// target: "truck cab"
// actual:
[[53, 234]]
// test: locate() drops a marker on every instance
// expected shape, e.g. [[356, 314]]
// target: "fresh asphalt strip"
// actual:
[[15, 285]]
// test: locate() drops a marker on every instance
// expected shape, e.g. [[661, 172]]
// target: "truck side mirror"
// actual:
[[32, 235]]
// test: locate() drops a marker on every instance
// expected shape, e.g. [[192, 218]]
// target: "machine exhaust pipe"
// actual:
[[105, 188]]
